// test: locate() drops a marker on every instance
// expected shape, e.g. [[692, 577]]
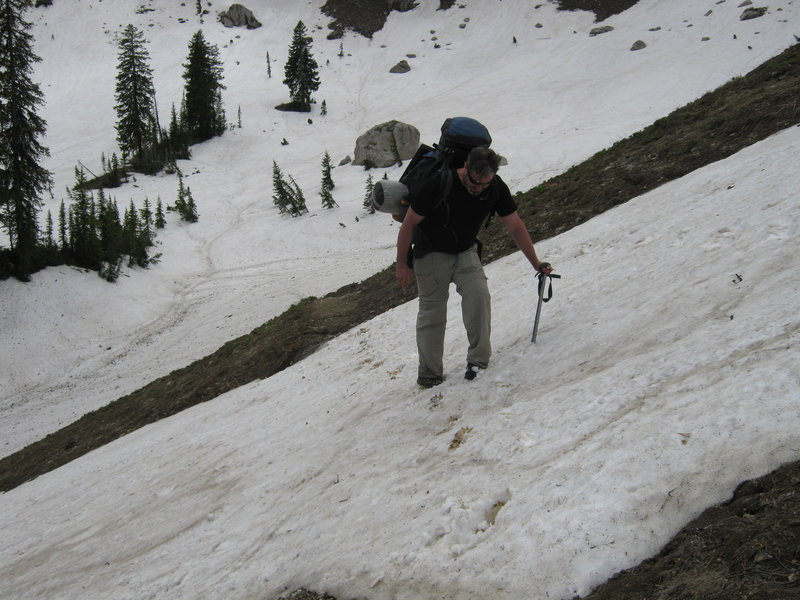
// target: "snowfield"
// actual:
[[665, 371]]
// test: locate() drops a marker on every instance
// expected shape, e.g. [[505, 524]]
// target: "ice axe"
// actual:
[[542, 284]]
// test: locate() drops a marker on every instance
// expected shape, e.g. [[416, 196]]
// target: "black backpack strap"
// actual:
[[494, 193]]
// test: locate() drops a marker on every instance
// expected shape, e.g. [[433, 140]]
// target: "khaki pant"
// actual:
[[435, 272]]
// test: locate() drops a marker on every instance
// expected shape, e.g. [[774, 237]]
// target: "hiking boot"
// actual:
[[429, 382], [472, 371]]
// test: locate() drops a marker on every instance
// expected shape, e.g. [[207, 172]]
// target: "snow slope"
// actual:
[[665, 370], [550, 100]]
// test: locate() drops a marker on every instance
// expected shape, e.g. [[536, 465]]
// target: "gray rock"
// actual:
[[239, 16], [601, 30], [753, 13], [386, 144], [638, 45], [401, 67]]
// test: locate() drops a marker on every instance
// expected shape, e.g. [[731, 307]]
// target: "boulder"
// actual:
[[239, 16], [600, 30], [401, 67], [386, 144], [753, 13]]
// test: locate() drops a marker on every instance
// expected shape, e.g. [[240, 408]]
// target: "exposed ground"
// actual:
[[748, 547]]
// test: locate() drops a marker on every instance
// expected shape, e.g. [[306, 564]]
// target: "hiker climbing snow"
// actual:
[[438, 244]]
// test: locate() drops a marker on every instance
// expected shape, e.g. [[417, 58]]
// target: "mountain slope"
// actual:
[[715, 126]]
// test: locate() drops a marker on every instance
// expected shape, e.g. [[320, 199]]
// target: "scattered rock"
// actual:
[[638, 45]]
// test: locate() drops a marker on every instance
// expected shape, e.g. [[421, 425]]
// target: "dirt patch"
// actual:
[[748, 547], [602, 9]]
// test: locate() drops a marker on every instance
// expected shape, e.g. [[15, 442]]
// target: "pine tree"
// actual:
[[63, 240], [84, 241], [269, 67], [368, 195], [190, 211], [135, 96], [280, 197], [22, 178], [297, 205], [327, 183], [48, 239], [180, 201], [134, 243], [301, 70], [111, 238], [146, 223], [177, 137], [160, 222], [204, 115]]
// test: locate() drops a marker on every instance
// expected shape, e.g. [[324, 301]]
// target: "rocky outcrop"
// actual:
[[386, 144], [239, 16]]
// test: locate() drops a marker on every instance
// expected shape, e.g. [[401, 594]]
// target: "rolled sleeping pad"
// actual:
[[390, 197]]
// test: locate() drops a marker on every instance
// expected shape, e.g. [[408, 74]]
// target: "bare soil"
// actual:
[[748, 547]]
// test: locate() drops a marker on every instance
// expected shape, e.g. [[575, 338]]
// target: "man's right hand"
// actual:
[[404, 275], [405, 236]]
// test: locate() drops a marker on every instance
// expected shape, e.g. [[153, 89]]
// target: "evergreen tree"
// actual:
[[135, 96], [49, 240], [111, 238], [185, 204], [281, 196], [22, 178], [63, 240], [134, 248], [327, 183], [368, 195], [301, 70], [146, 215], [84, 244], [180, 201], [190, 208], [160, 222], [297, 204], [204, 115], [177, 136]]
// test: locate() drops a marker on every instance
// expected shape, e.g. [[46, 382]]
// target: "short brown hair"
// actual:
[[482, 161]]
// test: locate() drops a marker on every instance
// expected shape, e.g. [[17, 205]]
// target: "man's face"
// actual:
[[475, 185]]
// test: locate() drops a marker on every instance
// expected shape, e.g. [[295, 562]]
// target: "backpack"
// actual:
[[459, 136]]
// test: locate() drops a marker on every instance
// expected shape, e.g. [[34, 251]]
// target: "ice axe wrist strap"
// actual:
[[542, 283]]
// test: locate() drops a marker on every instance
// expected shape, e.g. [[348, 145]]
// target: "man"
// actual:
[[444, 234]]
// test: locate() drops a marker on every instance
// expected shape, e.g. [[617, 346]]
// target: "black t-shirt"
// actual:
[[453, 226]]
